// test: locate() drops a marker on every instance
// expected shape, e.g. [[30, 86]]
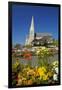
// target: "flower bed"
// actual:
[[44, 73]]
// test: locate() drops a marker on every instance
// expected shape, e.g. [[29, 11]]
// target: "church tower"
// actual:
[[31, 32], [30, 37]]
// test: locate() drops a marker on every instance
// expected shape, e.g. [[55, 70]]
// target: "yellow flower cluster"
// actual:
[[39, 49], [32, 74], [14, 66], [42, 51], [42, 72]]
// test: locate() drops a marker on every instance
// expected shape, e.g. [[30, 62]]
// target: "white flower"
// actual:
[[43, 48], [55, 77], [56, 69], [55, 64], [37, 52]]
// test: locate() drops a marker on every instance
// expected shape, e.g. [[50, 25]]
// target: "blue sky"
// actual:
[[45, 20]]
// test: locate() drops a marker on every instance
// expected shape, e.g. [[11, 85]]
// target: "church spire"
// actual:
[[32, 26], [31, 32]]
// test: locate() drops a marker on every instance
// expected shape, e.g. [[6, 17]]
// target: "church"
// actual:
[[37, 39]]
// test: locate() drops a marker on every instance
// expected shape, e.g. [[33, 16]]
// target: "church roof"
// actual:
[[43, 34]]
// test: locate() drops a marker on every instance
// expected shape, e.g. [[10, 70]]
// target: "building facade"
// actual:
[[42, 39]]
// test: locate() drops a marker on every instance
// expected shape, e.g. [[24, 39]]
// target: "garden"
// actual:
[[45, 72]]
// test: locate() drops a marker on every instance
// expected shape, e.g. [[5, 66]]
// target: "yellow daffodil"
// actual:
[[19, 75], [45, 77], [41, 71], [19, 82], [29, 82], [49, 74], [31, 72], [15, 64]]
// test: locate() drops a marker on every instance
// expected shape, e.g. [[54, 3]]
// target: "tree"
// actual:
[[18, 46], [28, 46], [55, 42]]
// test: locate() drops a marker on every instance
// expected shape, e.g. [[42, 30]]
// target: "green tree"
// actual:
[[55, 42], [18, 46], [28, 46]]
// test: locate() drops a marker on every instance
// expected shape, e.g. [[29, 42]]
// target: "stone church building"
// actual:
[[38, 39]]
